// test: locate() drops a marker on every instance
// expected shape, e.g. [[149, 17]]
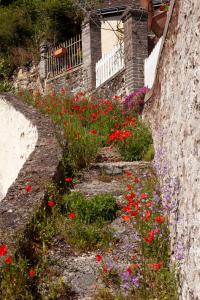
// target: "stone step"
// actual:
[[118, 168]]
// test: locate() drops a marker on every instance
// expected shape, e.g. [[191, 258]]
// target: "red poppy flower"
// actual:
[[93, 131], [31, 273], [128, 173], [129, 270], [134, 214], [3, 250], [144, 196], [71, 215], [150, 237], [155, 266], [68, 179], [131, 196], [105, 269], [28, 188], [129, 187], [160, 219], [135, 179], [116, 125], [94, 116], [147, 215], [98, 257], [126, 218], [127, 209], [8, 260], [51, 203]]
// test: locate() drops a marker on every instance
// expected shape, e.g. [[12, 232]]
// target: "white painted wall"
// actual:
[[110, 38], [150, 65], [18, 138]]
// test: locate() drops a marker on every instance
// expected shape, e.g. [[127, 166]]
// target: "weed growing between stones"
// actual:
[[146, 272]]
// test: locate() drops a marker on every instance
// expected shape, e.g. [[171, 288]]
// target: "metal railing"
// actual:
[[69, 59], [110, 64]]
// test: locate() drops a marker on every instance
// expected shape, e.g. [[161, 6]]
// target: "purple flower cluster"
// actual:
[[129, 280], [135, 99]]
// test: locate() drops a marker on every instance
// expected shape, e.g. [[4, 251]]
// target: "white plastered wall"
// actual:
[[109, 33], [18, 138]]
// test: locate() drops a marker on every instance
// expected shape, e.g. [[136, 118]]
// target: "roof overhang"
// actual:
[[117, 10]]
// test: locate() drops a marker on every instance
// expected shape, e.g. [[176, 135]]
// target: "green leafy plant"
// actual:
[[101, 207], [136, 146]]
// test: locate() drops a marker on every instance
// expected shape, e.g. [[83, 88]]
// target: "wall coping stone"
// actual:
[[17, 208]]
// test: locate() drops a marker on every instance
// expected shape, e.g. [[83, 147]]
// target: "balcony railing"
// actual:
[[64, 57]]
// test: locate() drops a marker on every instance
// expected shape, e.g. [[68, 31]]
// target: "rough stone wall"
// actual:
[[28, 79], [73, 81], [41, 167], [174, 113]]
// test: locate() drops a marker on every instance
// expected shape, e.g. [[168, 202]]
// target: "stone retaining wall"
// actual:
[[174, 113], [73, 81], [41, 167]]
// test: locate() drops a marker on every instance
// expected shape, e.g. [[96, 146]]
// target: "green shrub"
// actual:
[[135, 147], [89, 210]]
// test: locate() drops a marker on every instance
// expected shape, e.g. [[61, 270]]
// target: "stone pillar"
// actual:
[[91, 47], [44, 47], [136, 47]]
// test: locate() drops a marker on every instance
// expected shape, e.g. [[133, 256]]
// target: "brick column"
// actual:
[[136, 47], [91, 45]]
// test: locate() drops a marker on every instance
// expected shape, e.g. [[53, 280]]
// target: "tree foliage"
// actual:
[[24, 23]]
